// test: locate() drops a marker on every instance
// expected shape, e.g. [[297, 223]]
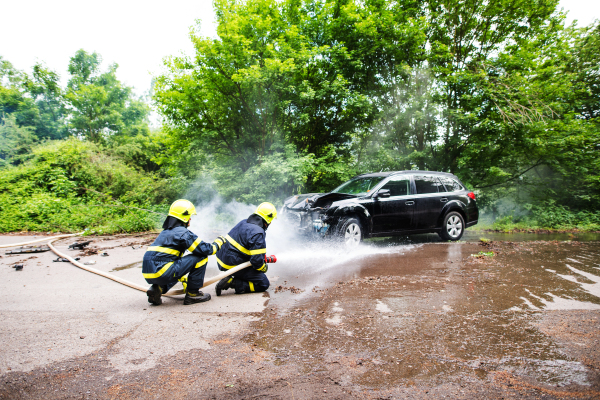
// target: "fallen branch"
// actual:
[[510, 179]]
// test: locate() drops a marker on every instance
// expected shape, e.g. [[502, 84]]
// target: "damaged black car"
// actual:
[[386, 204]]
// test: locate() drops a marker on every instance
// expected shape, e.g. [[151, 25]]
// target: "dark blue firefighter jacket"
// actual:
[[169, 246], [245, 242]]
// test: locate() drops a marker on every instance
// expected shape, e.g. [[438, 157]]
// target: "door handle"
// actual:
[[409, 203], [443, 199]]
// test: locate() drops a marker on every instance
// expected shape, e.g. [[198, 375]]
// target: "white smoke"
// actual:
[[216, 216]]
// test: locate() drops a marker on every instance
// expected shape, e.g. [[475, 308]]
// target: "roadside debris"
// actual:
[[292, 289], [93, 262], [483, 254], [29, 249], [79, 246], [60, 259], [89, 252], [105, 254], [18, 267]]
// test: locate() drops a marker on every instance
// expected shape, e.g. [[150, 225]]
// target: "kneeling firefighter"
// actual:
[[163, 264], [246, 242]]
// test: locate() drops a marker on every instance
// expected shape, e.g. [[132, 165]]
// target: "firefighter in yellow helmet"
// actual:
[[246, 242], [163, 264]]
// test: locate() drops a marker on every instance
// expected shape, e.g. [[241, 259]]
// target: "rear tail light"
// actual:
[[471, 195]]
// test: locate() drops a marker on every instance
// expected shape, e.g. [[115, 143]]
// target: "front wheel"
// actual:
[[453, 226], [351, 232]]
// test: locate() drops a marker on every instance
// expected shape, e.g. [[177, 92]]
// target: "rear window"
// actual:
[[398, 186], [428, 184], [452, 185]]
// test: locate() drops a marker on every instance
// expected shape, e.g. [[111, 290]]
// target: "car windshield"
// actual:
[[359, 186]]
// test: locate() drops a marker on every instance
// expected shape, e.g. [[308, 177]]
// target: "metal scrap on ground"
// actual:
[[29, 249], [79, 246]]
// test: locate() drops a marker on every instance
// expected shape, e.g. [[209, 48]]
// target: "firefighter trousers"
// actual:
[[192, 265], [250, 280]]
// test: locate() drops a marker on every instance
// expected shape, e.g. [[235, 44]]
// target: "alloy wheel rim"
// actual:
[[454, 226], [352, 235]]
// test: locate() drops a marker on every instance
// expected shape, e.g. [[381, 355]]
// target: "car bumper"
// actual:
[[304, 221]]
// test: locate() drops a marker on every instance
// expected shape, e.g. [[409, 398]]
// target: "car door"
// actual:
[[394, 213], [430, 200]]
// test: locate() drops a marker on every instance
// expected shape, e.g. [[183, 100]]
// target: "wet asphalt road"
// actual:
[[396, 318]]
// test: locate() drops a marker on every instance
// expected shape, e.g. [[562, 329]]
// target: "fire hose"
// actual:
[[40, 240], [122, 281]]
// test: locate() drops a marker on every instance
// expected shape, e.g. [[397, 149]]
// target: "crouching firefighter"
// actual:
[[246, 242], [163, 264]]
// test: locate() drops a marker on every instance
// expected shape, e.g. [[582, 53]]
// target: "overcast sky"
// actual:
[[135, 34]]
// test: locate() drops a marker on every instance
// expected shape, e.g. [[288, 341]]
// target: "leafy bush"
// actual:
[[553, 216], [549, 216], [72, 185]]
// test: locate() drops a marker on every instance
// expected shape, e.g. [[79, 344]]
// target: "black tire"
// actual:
[[453, 226], [350, 232]]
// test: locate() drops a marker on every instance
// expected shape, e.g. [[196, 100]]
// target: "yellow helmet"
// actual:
[[182, 210], [267, 211]]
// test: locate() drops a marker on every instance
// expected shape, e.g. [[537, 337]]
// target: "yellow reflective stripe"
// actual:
[[201, 263], [214, 249], [243, 249], [194, 245], [166, 250], [183, 281], [219, 242], [251, 286], [258, 251], [158, 273], [222, 264], [262, 268]]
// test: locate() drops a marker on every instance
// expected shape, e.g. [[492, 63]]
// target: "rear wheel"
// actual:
[[351, 232], [453, 226]]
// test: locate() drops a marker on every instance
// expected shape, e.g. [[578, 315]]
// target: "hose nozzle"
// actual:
[[270, 259]]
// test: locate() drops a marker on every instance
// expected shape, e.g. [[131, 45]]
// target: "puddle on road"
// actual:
[[473, 236], [556, 276], [397, 315]]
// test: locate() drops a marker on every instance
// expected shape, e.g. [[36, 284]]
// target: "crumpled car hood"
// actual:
[[315, 200]]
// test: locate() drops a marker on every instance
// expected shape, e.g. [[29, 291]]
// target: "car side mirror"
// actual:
[[383, 193]]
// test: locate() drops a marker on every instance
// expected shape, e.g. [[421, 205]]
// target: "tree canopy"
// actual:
[[500, 93]]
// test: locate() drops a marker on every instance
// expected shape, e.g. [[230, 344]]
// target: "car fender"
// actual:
[[453, 205], [352, 209]]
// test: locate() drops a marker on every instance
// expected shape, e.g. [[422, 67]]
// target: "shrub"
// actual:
[[72, 185]]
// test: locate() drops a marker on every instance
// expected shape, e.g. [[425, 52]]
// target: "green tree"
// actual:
[[100, 107], [15, 141], [14, 99], [281, 73], [45, 90]]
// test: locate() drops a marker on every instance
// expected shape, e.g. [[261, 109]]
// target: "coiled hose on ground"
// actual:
[[115, 278]]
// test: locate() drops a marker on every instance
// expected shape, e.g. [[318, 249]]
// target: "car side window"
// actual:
[[398, 186], [427, 184], [451, 184]]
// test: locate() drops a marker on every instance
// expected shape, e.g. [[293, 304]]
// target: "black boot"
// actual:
[[154, 294], [224, 284], [195, 296]]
